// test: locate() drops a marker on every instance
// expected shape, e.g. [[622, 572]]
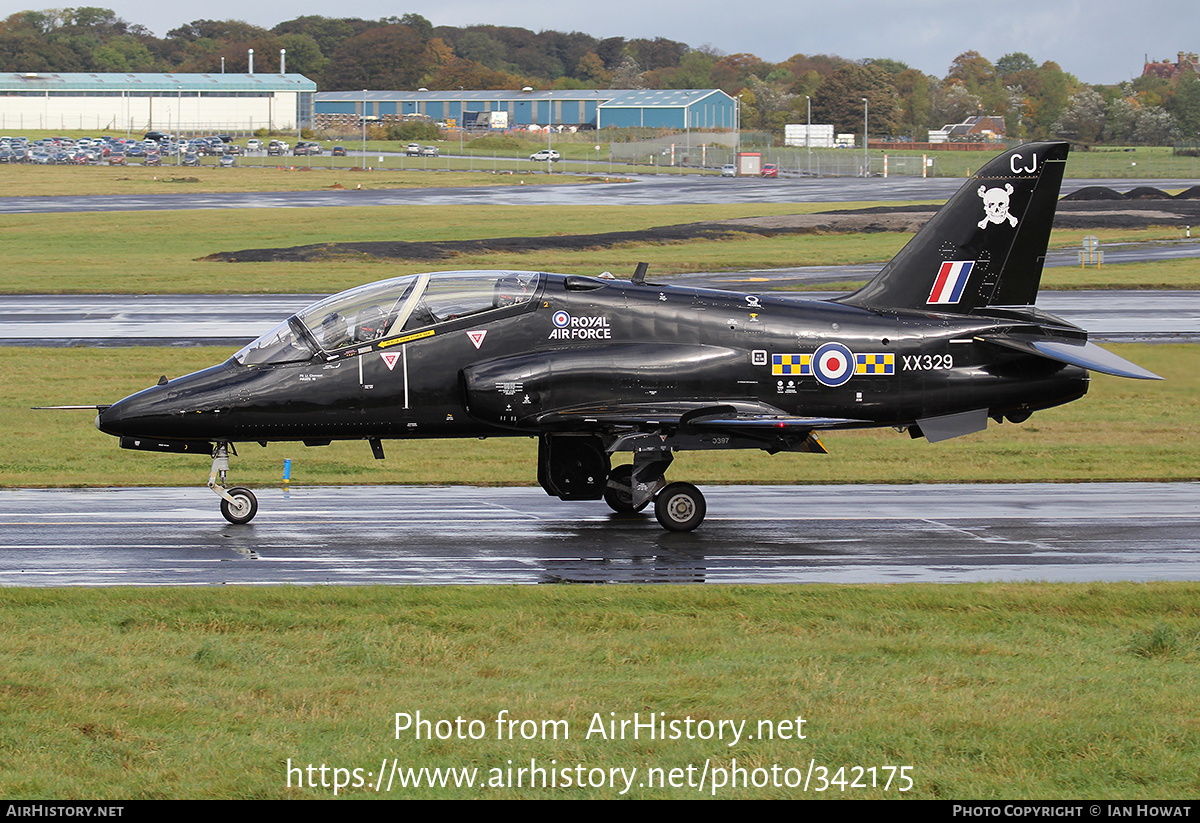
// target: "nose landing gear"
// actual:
[[238, 505]]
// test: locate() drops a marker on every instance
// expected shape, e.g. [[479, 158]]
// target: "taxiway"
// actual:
[[461, 535]]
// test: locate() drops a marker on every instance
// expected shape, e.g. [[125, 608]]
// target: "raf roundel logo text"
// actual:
[[567, 327]]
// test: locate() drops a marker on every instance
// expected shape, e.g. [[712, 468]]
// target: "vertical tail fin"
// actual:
[[985, 247]]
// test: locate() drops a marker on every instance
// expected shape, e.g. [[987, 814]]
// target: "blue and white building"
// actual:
[[181, 103], [601, 108]]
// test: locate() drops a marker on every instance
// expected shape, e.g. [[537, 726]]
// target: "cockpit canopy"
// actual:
[[388, 308]]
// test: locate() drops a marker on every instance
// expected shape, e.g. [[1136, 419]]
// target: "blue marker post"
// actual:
[[287, 471]]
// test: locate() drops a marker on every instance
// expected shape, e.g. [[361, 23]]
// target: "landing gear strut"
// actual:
[[238, 505], [618, 492], [679, 507]]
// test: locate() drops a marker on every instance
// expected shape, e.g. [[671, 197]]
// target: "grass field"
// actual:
[[982, 691], [160, 251], [293, 174]]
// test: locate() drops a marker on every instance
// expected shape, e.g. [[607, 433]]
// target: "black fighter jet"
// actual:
[[942, 339]]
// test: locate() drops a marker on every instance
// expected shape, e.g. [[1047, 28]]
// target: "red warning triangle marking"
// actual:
[[477, 337], [390, 358]]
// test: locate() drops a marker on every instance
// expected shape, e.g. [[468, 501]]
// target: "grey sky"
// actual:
[[1099, 41]]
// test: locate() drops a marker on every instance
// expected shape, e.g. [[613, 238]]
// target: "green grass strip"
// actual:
[[985, 691]]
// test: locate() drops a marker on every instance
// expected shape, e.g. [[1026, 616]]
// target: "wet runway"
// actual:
[[660, 189], [753, 534], [232, 320]]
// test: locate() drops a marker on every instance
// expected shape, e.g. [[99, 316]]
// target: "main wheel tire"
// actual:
[[680, 507], [243, 507], [618, 492]]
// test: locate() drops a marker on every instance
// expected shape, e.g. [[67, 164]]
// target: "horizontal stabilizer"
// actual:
[[1088, 355]]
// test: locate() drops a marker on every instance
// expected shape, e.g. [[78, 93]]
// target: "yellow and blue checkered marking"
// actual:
[[875, 364], [801, 364]]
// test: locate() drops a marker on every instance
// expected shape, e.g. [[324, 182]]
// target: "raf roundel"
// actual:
[[833, 364], [561, 319]]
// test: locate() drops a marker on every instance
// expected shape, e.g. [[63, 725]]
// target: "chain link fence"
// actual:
[[713, 151]]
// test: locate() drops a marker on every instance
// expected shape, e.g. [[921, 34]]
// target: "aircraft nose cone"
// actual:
[[116, 418], [192, 407]]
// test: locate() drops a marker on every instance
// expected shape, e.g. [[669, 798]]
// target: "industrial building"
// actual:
[[182, 103], [595, 109]]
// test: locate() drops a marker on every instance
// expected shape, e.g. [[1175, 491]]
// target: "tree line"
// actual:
[[408, 52]]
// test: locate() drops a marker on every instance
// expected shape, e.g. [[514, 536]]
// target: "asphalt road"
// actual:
[[649, 190], [753, 534]]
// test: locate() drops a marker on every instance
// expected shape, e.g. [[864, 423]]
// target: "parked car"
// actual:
[[413, 150], [254, 144], [306, 148], [152, 159], [545, 154], [226, 161], [191, 159], [429, 151], [769, 170], [117, 158], [339, 151], [729, 170]]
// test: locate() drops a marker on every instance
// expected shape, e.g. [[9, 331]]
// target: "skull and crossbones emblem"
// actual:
[[995, 205]]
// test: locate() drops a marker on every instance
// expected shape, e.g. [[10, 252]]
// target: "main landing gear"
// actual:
[[238, 505], [679, 507], [578, 467]]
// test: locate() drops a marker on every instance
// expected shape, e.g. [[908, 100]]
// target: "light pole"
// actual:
[[687, 121], [364, 131], [737, 124], [866, 167], [808, 134]]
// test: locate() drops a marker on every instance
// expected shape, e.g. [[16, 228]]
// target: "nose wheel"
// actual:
[[238, 505]]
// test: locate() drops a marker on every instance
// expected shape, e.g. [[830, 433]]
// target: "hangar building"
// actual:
[[651, 108], [155, 102]]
